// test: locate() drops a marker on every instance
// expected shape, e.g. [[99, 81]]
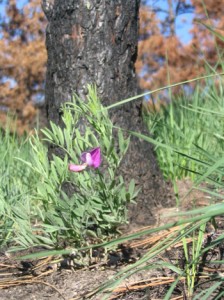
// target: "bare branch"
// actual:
[[47, 6]]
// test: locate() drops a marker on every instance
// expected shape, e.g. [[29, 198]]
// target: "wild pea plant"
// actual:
[[80, 193]]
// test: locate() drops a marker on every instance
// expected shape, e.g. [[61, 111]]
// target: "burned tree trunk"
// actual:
[[96, 42]]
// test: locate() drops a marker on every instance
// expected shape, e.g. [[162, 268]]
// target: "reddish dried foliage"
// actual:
[[23, 55], [163, 60], [22, 61]]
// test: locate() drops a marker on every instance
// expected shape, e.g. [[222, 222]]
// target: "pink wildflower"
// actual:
[[90, 158]]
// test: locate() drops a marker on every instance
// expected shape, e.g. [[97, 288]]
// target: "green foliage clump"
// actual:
[[192, 126], [78, 206], [17, 184]]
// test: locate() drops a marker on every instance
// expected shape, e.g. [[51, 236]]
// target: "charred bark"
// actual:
[[96, 42]]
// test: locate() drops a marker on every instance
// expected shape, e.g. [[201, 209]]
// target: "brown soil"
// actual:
[[44, 279]]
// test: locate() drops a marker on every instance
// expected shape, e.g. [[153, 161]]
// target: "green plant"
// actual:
[[187, 124], [197, 248], [205, 156], [17, 183], [91, 204]]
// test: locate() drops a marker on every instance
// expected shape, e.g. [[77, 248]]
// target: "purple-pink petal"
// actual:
[[77, 168], [92, 158], [87, 158]]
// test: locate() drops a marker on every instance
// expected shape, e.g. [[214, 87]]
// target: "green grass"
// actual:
[[17, 184], [188, 139], [194, 127]]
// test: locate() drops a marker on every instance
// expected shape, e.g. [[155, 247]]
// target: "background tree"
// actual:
[[22, 61], [208, 46], [163, 58], [96, 42]]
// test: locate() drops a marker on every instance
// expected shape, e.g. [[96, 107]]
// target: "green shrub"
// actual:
[[93, 203]]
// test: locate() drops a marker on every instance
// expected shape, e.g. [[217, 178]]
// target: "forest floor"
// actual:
[[44, 279]]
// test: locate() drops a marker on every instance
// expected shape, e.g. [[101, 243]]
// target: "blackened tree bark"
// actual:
[[96, 42]]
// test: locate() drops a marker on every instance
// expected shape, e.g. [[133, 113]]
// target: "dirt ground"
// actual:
[[47, 280]]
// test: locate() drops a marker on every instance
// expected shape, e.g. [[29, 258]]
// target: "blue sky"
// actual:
[[183, 22], [183, 28], [20, 4]]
